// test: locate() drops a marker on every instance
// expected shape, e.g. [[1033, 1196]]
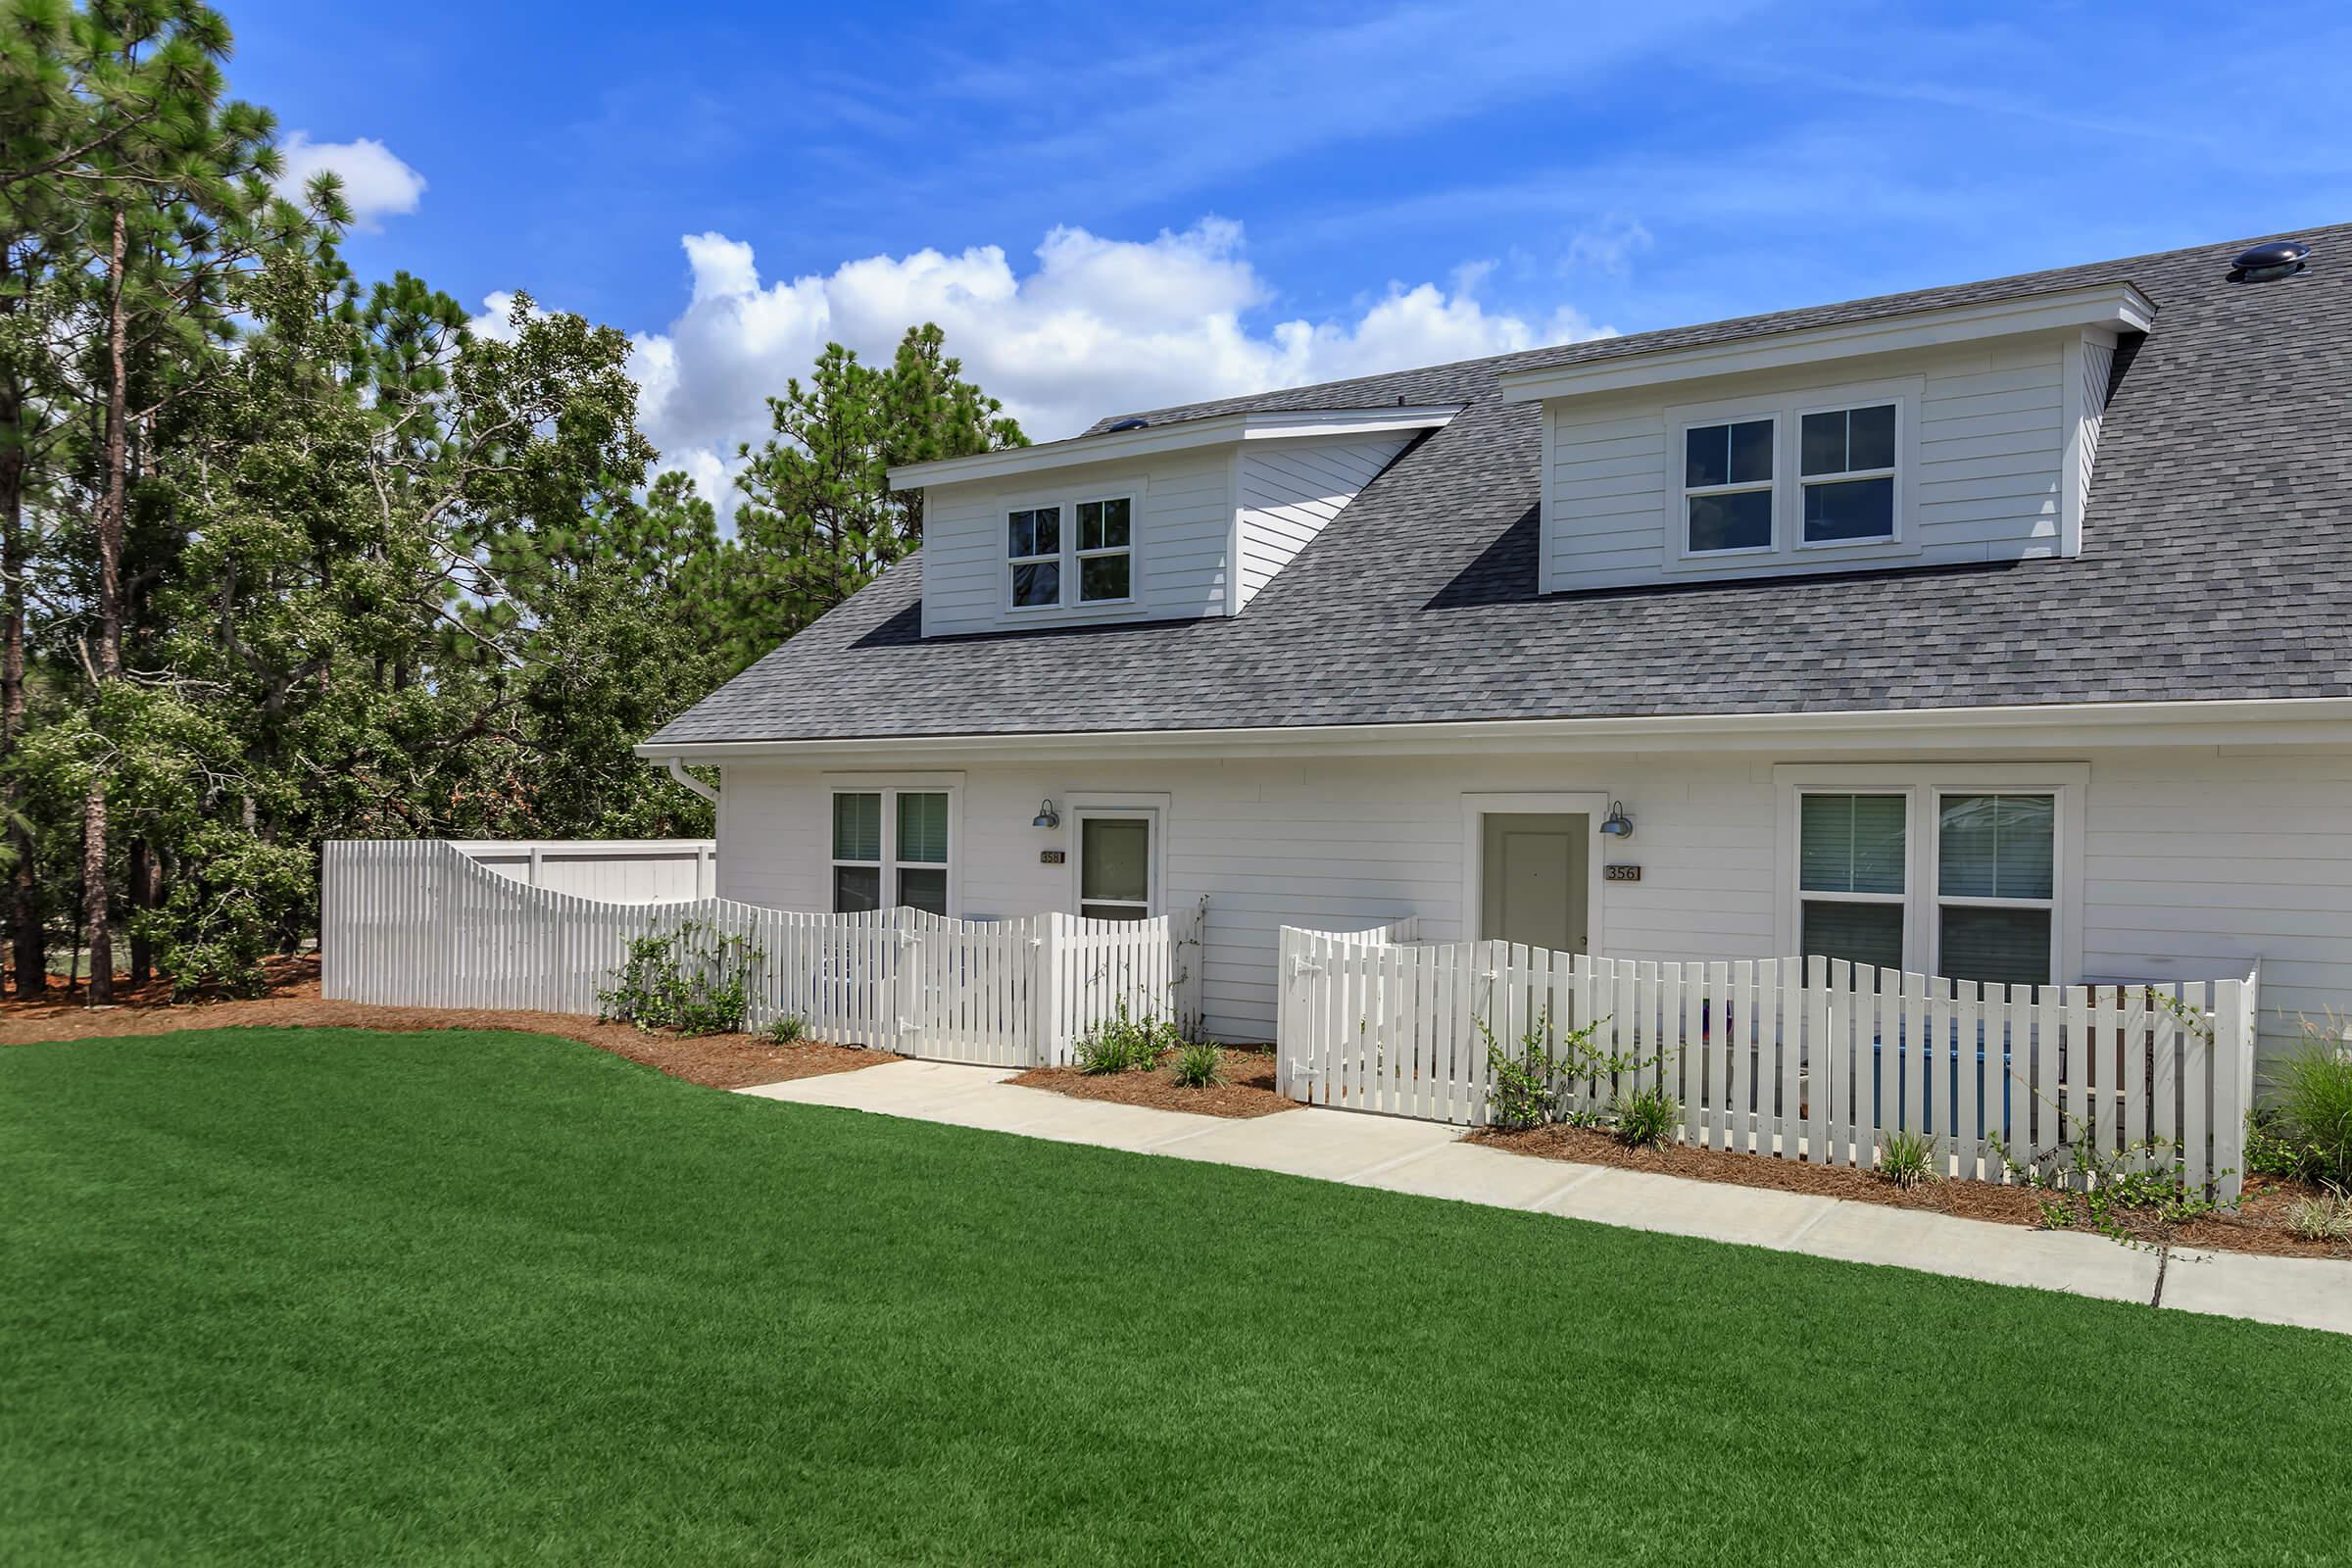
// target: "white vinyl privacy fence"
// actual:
[[611, 870], [419, 923], [1795, 1057]]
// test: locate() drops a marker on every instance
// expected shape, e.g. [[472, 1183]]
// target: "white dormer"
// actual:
[[1966, 433], [1151, 523]]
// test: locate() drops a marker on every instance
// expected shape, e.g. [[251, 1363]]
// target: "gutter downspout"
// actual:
[[677, 770]]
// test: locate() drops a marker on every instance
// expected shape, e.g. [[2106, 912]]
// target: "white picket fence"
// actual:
[[419, 923], [1794, 1058]]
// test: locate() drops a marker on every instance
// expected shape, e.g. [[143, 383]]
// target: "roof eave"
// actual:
[[1222, 429], [2116, 306]]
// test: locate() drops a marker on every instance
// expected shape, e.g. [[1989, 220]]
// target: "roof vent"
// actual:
[[1136, 424], [2266, 263]]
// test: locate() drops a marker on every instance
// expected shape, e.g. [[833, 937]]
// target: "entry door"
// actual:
[[1534, 879], [1116, 865]]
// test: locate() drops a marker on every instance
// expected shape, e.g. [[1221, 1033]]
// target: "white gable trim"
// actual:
[[1224, 429], [2114, 306]]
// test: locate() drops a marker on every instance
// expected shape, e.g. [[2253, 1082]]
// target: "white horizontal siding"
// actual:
[[1182, 528], [1290, 490], [1991, 441], [2198, 862]]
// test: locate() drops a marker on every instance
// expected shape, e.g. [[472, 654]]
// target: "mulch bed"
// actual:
[[2258, 1225], [1248, 1088], [715, 1061]]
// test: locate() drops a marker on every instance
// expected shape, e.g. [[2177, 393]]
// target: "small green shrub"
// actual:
[[2326, 1217], [1125, 1043], [1534, 1083], [1907, 1160], [1648, 1118], [2313, 1087], [789, 1030], [2271, 1152], [695, 980], [2057, 1214], [1197, 1066]]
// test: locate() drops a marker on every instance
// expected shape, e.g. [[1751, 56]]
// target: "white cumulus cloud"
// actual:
[[376, 181], [1095, 327]]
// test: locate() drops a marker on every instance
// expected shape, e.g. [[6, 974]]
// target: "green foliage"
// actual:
[[1907, 1160], [2053, 1214], [786, 1029], [2322, 1217], [1197, 1064], [2121, 1192], [2270, 1151], [1646, 1118], [1545, 1077], [1125, 1043], [695, 980], [2312, 1091], [291, 557]]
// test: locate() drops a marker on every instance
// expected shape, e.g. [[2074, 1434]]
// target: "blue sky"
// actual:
[[1244, 194]]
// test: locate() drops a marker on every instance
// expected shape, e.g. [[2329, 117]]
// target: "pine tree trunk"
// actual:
[[110, 619], [28, 951]]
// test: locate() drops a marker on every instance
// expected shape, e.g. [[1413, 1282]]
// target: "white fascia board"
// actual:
[[1223, 429], [2112, 307], [2305, 720]]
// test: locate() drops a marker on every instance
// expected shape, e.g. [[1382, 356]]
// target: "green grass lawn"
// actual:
[[329, 1296]]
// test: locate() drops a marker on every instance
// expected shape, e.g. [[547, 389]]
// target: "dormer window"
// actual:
[[1791, 477], [1846, 466], [1097, 554], [1034, 546], [1105, 568], [1726, 486]]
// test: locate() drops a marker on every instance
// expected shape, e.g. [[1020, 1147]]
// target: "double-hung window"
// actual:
[[1072, 553], [1852, 854], [1845, 465], [1033, 546], [1950, 871], [1995, 886], [890, 847], [1727, 485]]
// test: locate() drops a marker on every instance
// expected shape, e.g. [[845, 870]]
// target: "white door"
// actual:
[[1534, 877]]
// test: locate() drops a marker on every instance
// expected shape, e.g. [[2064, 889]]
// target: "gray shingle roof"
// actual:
[[2217, 564]]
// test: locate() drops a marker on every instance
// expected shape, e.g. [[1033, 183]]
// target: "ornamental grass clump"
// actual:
[[2312, 1091], [1197, 1066], [1125, 1043]]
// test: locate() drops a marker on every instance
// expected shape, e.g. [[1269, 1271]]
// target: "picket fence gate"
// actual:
[[419, 923], [1792, 1057]]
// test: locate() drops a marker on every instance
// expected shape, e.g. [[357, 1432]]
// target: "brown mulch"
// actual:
[[715, 1061], [1247, 1090], [2258, 1225]]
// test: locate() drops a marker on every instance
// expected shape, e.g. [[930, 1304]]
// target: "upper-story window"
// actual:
[[1791, 475], [1727, 485], [1090, 564], [1033, 544], [1846, 463]]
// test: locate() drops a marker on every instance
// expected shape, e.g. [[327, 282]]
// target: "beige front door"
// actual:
[[1535, 878]]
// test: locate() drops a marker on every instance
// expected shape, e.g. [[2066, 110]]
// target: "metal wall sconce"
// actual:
[[1046, 816], [1618, 825]]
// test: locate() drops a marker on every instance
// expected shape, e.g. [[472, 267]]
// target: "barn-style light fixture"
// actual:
[[1046, 816], [1617, 825]]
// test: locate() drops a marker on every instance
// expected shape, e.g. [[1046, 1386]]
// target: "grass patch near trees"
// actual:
[[334, 1296]]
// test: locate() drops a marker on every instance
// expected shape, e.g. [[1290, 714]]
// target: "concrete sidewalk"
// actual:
[[1430, 1160]]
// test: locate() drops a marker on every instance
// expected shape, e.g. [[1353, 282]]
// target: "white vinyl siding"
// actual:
[[1992, 444], [1180, 529], [1289, 490], [2195, 861]]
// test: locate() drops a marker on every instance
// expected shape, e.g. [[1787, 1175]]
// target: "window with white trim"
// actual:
[[1845, 467], [1852, 852], [1997, 886], [1073, 552], [1728, 486], [889, 842], [1033, 548], [1954, 877]]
